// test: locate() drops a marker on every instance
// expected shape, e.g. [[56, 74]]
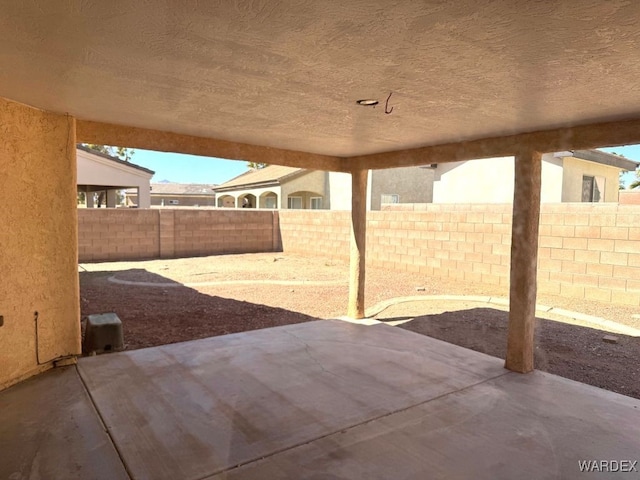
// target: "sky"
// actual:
[[181, 168], [632, 152]]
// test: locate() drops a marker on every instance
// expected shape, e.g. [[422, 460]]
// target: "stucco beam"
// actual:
[[134, 137], [595, 135]]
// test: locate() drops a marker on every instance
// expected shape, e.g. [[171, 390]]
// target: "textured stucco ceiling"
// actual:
[[287, 74]]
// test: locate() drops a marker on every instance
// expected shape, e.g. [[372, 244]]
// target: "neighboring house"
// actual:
[[101, 177], [169, 194], [396, 185], [297, 188], [275, 186], [572, 176]]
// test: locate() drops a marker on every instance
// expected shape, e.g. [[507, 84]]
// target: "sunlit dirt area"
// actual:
[[167, 301]]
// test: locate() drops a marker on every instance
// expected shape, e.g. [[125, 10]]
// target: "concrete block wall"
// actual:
[[319, 232], [629, 197], [591, 251], [586, 250], [207, 232], [108, 234], [132, 234]]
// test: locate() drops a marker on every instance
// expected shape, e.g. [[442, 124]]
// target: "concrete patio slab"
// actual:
[[49, 430], [193, 409], [317, 400], [535, 426]]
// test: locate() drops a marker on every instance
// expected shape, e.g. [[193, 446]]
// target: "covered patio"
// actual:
[[325, 399], [297, 84]]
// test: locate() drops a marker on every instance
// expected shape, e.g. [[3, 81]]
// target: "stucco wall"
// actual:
[[412, 184], [574, 169], [38, 241], [339, 190], [312, 183], [95, 170], [490, 180]]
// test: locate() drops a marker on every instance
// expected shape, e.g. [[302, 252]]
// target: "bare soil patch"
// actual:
[[571, 351], [196, 297]]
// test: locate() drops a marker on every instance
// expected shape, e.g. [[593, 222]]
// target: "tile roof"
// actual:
[[268, 174], [182, 189]]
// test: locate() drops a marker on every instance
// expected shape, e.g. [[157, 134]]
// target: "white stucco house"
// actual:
[[275, 187], [297, 188], [105, 175], [570, 176]]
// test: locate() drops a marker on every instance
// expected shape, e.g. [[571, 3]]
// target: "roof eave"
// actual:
[[247, 186], [605, 158]]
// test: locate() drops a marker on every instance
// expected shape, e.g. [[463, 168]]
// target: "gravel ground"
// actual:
[[194, 298]]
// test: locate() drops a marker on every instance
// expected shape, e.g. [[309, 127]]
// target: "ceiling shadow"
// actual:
[[169, 312]]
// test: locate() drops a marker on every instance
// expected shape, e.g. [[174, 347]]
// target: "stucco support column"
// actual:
[[112, 198], [358, 243], [144, 196], [89, 198], [524, 261]]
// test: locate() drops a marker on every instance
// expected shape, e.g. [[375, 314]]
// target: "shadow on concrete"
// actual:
[[157, 315], [571, 351]]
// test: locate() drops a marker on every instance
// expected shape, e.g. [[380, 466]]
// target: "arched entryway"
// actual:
[[248, 200], [226, 201], [268, 200]]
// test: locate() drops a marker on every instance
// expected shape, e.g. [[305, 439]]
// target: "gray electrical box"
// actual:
[[103, 334]]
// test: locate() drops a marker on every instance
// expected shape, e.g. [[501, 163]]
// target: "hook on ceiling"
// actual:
[[386, 105]]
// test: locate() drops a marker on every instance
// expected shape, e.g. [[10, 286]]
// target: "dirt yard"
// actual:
[[166, 301]]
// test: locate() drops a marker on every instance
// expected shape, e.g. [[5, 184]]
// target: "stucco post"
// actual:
[[112, 198], [89, 198], [144, 196], [358, 243], [524, 261]]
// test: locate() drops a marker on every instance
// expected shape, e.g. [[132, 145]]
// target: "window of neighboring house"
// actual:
[[390, 198], [592, 188], [294, 203], [174, 202], [270, 202], [316, 203]]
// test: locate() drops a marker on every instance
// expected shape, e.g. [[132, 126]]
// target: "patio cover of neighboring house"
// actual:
[[278, 82], [169, 194], [99, 172], [275, 186]]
